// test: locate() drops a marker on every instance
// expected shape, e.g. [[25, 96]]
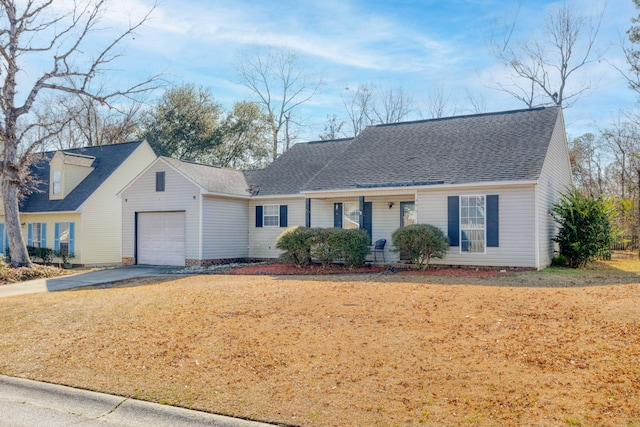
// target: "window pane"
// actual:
[[351, 215], [472, 224], [271, 216], [63, 238], [408, 214], [56, 182], [36, 236]]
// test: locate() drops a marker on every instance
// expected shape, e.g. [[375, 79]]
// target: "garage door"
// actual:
[[161, 238]]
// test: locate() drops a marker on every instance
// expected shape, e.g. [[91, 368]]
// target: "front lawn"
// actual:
[[536, 349]]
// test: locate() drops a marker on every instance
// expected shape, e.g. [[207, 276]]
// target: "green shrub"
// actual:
[[325, 246], [353, 247], [296, 244], [559, 261], [584, 227], [420, 243], [46, 255]]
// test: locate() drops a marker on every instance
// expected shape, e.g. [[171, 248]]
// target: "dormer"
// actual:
[[66, 171]]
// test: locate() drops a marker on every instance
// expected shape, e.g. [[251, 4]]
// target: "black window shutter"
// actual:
[[159, 181], [307, 209], [337, 215], [258, 216], [492, 221], [453, 229], [283, 215]]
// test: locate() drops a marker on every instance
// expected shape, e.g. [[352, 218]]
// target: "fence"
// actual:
[[625, 244]]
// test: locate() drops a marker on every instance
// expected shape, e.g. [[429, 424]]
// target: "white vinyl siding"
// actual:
[[180, 195], [262, 240], [555, 179], [225, 231], [516, 219], [99, 234]]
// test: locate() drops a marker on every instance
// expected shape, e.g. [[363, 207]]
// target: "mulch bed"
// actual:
[[286, 269]]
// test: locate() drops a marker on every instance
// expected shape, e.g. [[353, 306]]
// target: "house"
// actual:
[[487, 180], [74, 207]]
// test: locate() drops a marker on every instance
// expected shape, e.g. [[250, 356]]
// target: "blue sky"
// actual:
[[422, 46]]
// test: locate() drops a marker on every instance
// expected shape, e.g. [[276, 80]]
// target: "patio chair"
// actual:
[[378, 247]]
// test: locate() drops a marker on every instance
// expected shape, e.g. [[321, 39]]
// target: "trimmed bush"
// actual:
[[325, 247], [296, 244], [353, 246], [584, 227], [46, 255], [420, 243]]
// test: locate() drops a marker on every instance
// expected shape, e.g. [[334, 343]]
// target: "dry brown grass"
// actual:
[[540, 349]]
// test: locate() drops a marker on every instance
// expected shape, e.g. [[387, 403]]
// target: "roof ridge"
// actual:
[[86, 147], [467, 116]]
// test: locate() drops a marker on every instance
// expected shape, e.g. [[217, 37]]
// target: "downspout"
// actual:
[[200, 221], [536, 226]]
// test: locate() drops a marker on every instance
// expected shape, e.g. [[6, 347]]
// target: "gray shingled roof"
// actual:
[[107, 159], [504, 146], [212, 178], [290, 172]]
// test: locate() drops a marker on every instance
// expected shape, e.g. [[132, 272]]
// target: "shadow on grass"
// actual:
[[125, 283]]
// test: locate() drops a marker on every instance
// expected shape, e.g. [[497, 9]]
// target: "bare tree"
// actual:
[[87, 122], [438, 104], [37, 31], [477, 101], [393, 104], [376, 104], [587, 164], [358, 104], [632, 54], [281, 83], [542, 68], [332, 129]]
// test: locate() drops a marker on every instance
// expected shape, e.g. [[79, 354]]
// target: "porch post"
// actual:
[[361, 213], [307, 208]]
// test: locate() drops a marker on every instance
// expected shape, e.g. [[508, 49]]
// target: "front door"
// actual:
[[367, 221]]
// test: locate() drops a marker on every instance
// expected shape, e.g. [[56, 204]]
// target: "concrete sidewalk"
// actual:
[[82, 279], [34, 404]]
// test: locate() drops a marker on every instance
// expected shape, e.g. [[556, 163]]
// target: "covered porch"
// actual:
[[377, 211]]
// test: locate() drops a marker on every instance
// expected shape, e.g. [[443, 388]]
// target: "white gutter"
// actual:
[[412, 188]]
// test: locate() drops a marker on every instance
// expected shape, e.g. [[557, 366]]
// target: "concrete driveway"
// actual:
[[83, 279]]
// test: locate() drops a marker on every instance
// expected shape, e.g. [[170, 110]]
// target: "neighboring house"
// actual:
[[75, 207], [487, 180]]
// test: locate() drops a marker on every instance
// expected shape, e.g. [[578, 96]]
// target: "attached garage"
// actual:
[[161, 238]]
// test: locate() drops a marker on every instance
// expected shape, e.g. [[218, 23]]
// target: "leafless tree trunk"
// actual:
[[87, 123], [280, 81], [477, 101], [438, 104], [358, 104], [36, 31], [376, 104], [393, 105], [542, 68]]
